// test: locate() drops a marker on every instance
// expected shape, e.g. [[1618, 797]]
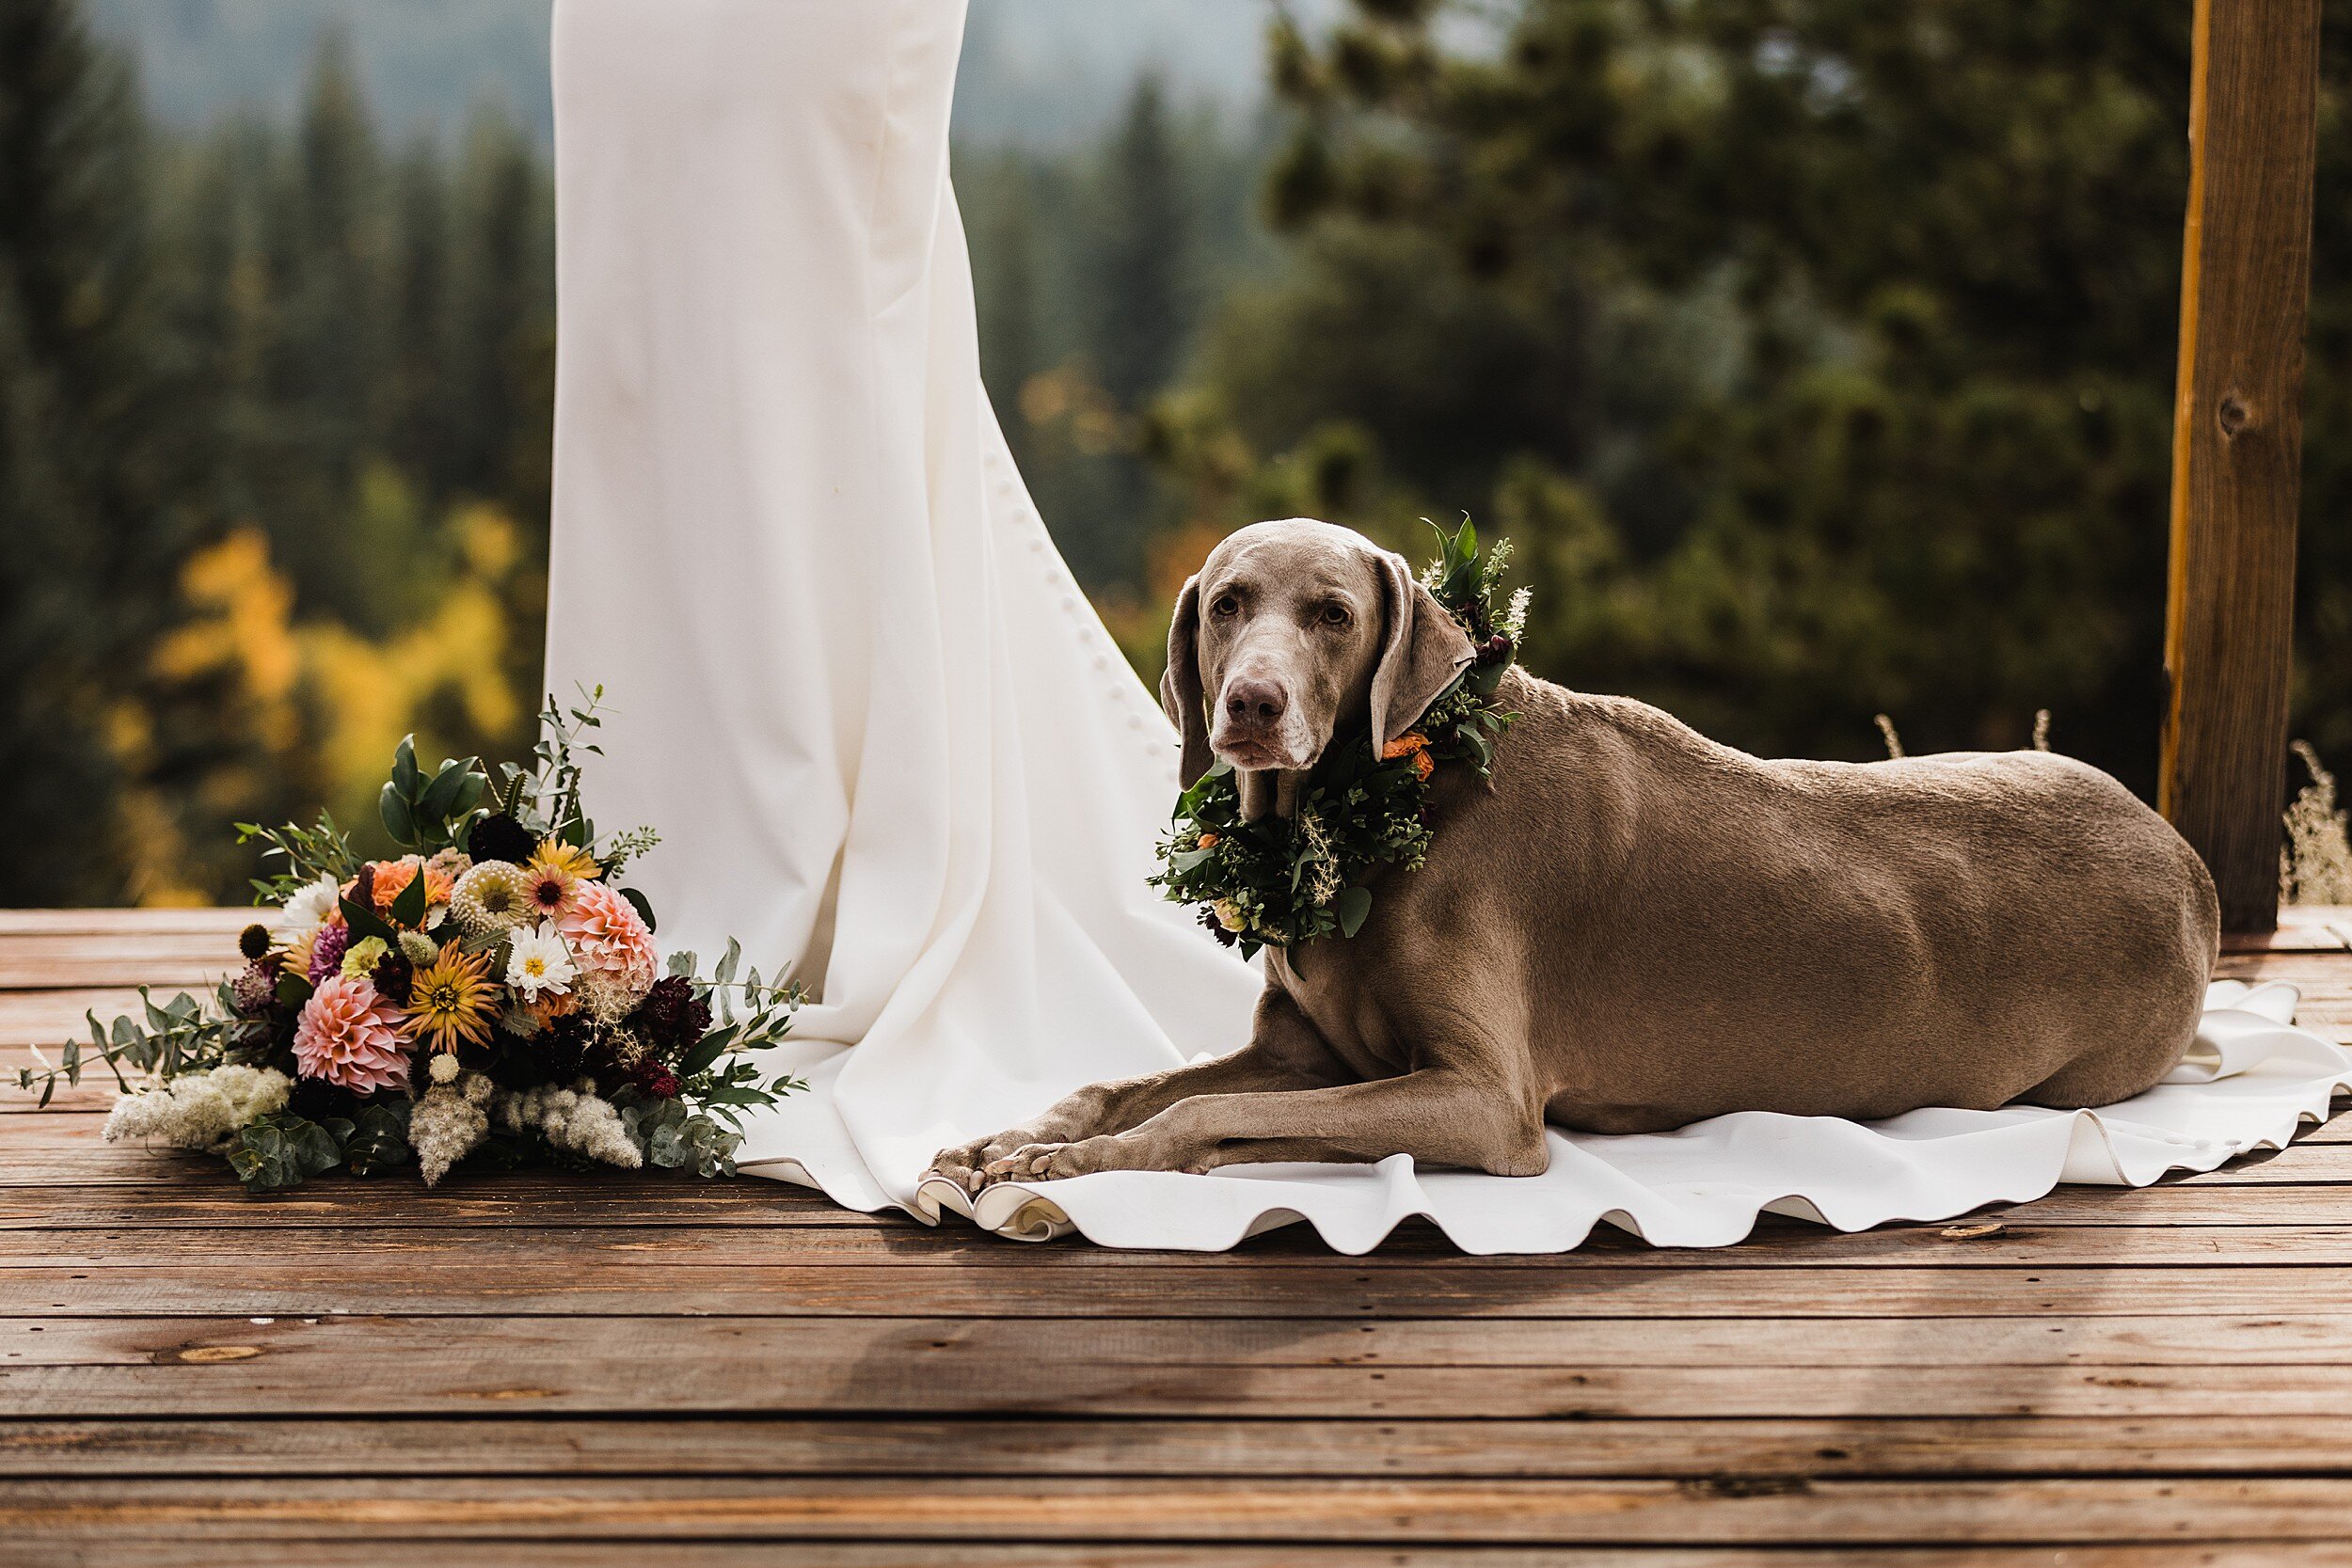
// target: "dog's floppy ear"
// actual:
[[1425, 648], [1180, 684]]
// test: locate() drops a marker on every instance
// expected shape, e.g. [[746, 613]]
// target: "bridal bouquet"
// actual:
[[493, 997]]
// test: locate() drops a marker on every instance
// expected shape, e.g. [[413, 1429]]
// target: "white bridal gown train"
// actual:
[[891, 748], [885, 736]]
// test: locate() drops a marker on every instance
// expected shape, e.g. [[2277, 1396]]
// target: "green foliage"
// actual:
[[304, 855], [545, 796], [377, 1138], [422, 813], [164, 1038], [281, 1149]]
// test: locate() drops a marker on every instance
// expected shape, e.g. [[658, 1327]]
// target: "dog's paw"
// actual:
[[963, 1166], [1054, 1161], [969, 1166]]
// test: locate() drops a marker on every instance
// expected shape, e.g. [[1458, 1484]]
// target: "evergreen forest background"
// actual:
[[1818, 358]]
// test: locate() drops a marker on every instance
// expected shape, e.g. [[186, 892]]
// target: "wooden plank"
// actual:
[[555, 1281], [2238, 441], [354, 1366], [2317, 1339], [56, 962], [1697, 1449], [2014, 1244], [2301, 928], [1008, 1348], [212, 1197], [1370, 1511], [64, 1147], [363, 1549], [217, 920]]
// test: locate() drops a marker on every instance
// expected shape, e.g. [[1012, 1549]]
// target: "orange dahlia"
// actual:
[[392, 878]]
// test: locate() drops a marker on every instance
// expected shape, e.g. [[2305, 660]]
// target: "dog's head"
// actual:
[[1292, 633]]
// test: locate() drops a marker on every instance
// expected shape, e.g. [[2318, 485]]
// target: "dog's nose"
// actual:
[[1253, 702]]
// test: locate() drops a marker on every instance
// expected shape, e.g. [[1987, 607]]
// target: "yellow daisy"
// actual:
[[450, 1001], [570, 859]]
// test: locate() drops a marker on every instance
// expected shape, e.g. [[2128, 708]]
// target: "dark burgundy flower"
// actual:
[[655, 1080], [1494, 650], [671, 1017], [393, 974], [565, 1049], [500, 837], [1217, 927], [253, 941], [315, 1099]]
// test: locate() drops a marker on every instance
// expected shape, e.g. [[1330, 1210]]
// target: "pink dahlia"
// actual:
[[609, 942], [347, 1035]]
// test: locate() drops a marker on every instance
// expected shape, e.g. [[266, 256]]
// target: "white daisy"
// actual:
[[308, 909], [540, 963]]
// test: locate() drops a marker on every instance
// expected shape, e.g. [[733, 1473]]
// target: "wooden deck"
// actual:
[[592, 1372]]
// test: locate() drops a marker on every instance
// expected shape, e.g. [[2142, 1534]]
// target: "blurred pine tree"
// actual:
[[104, 485], [1821, 355]]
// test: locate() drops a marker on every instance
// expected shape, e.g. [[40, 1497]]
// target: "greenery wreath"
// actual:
[[1280, 881]]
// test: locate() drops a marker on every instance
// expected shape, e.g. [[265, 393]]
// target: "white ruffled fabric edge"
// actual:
[[2249, 1082]]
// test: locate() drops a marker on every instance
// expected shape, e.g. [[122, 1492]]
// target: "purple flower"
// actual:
[[327, 954]]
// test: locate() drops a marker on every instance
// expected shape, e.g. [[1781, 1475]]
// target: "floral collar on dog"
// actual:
[[1284, 880]]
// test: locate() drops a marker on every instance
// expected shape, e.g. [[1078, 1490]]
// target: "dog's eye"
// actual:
[[1226, 604], [1335, 614]]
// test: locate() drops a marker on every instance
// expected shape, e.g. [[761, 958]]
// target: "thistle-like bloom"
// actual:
[[575, 1120], [540, 963], [254, 988], [555, 855], [451, 1002], [348, 1035], [198, 1109], [494, 895], [450, 1120]]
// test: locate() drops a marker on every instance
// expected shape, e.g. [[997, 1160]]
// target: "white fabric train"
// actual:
[[2248, 1083], [888, 741]]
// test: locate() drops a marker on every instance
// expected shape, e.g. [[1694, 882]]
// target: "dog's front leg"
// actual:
[[1440, 1115], [1285, 1052]]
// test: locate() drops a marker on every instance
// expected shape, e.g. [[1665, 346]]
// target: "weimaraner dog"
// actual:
[[1630, 927]]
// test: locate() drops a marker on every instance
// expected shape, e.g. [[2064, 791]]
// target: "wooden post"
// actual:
[[2237, 442]]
